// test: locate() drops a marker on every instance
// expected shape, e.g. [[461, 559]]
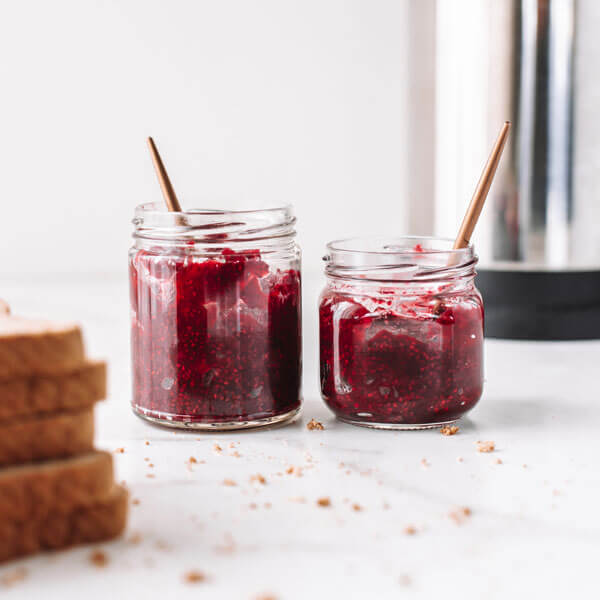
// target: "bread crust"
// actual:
[[34, 347], [45, 394], [46, 437], [101, 520]]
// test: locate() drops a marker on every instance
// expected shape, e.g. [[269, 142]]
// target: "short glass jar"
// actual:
[[401, 332], [216, 317]]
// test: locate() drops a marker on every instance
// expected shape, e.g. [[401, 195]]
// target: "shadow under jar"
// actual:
[[215, 317], [401, 332]]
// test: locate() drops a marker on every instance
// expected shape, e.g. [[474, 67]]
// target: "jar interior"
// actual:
[[153, 221], [396, 258]]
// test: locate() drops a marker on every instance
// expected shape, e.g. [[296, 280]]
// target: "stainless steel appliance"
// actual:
[[540, 246]]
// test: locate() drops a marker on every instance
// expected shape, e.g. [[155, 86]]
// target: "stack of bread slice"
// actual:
[[55, 489]]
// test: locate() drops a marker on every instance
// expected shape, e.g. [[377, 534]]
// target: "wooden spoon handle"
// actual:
[[481, 191], [165, 183]]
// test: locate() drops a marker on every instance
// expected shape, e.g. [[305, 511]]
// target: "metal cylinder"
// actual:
[[539, 240]]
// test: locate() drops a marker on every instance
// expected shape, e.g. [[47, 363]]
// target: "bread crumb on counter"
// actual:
[[98, 558], [314, 425], [194, 577], [449, 430], [487, 446], [460, 515]]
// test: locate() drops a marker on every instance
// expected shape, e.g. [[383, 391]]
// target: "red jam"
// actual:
[[418, 363], [214, 340]]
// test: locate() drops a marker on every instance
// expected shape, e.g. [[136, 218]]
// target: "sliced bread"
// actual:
[[101, 520], [46, 437], [45, 394]]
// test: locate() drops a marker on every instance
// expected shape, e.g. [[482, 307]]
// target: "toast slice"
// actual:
[[35, 490], [101, 520], [34, 347], [41, 438], [73, 390]]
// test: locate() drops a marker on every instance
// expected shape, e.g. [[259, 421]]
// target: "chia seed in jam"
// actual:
[[402, 353], [214, 339]]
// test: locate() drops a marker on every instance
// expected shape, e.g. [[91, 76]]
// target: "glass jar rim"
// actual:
[[152, 220], [398, 258]]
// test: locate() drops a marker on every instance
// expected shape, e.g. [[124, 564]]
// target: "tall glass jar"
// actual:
[[215, 315], [401, 332]]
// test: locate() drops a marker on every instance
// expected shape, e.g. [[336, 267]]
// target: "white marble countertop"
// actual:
[[534, 529]]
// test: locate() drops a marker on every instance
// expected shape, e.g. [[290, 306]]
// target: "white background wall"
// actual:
[[302, 101]]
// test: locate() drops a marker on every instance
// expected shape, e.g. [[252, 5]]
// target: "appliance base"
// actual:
[[540, 305]]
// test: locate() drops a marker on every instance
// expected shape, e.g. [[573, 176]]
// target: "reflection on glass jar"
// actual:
[[216, 307], [401, 332]]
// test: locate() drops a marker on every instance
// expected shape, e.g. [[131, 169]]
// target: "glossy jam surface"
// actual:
[[388, 360], [214, 340]]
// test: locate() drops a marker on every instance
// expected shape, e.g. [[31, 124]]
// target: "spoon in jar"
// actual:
[[163, 179], [481, 191], [477, 201]]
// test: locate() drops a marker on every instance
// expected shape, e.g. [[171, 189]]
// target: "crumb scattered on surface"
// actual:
[[298, 499], [356, 507], [146, 458], [459, 459], [460, 515], [524, 466], [386, 506], [147, 443], [151, 465], [410, 530], [135, 538], [15, 576], [498, 461], [486, 446], [229, 482], [119, 450], [425, 463], [265, 597], [289, 470], [268, 505], [228, 547], [98, 558], [232, 444], [217, 448], [258, 478], [314, 425], [135, 501], [235, 454], [192, 460], [194, 577], [324, 502], [253, 506], [150, 475], [162, 545], [449, 430]]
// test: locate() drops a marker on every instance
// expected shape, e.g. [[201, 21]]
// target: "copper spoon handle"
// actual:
[[165, 183], [481, 191]]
